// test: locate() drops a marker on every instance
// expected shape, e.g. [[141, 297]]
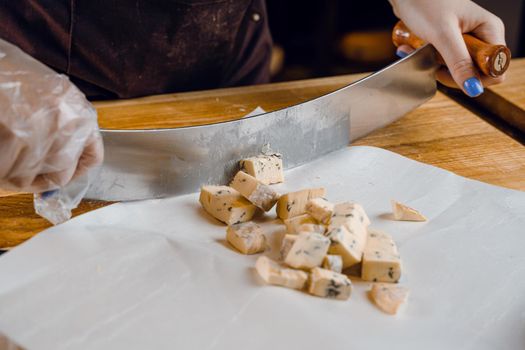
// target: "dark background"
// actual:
[[329, 37]]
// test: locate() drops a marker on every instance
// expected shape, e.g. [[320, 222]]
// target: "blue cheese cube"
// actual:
[[329, 284], [320, 209], [247, 238], [381, 261], [294, 223], [274, 273], [308, 251], [226, 204], [268, 169], [405, 213], [294, 203], [348, 241], [388, 297], [286, 245], [313, 228], [346, 212], [333, 263], [259, 194]]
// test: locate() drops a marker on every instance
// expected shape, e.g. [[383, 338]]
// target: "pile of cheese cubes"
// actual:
[[322, 239]]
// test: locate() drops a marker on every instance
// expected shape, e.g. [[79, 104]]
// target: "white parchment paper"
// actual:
[[159, 275]]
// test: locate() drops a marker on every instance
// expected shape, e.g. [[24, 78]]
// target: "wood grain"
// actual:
[[507, 100], [19, 222], [447, 135], [204, 107], [440, 133]]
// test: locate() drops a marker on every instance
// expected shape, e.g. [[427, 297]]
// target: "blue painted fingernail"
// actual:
[[473, 87], [48, 194], [401, 53]]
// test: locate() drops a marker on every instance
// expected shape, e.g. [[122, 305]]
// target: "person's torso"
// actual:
[[119, 48]]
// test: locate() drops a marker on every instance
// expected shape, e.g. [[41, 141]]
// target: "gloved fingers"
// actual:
[[62, 177], [70, 142], [444, 77], [41, 184], [56, 170], [92, 156], [9, 150], [18, 183]]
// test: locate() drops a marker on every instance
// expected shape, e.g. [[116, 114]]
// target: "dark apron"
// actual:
[[123, 48]]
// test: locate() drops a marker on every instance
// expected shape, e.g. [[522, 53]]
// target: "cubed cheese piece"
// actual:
[[294, 223], [259, 194], [320, 209], [247, 237], [274, 273], [329, 284], [388, 297], [348, 241], [348, 212], [333, 263], [266, 168], [294, 203], [226, 204], [286, 245], [381, 261], [307, 251], [317, 228], [405, 213]]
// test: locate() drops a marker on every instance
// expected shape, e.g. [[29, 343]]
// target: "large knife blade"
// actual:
[[155, 163]]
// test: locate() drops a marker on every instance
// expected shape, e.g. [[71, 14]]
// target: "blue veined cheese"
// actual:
[[307, 251], [294, 223], [226, 204], [266, 168], [247, 237], [294, 203], [320, 209], [329, 284], [333, 263], [286, 245], [389, 297], [259, 194], [348, 241], [346, 212], [405, 213], [274, 273], [313, 228], [381, 260]]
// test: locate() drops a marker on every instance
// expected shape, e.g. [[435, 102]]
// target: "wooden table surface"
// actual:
[[440, 133], [507, 100]]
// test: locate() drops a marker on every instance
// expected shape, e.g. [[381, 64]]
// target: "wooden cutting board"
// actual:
[[507, 100], [440, 133]]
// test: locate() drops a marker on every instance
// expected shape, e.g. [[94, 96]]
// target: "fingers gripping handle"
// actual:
[[492, 60]]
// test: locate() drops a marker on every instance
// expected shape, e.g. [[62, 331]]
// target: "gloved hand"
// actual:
[[441, 23], [48, 130]]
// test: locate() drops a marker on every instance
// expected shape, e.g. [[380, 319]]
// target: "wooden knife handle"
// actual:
[[492, 60]]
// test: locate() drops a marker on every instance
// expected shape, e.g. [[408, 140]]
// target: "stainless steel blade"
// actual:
[[141, 164]]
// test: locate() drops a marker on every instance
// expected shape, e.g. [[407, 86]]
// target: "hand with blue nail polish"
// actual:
[[442, 24], [401, 53], [473, 87]]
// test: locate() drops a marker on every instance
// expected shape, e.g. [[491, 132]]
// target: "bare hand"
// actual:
[[442, 23]]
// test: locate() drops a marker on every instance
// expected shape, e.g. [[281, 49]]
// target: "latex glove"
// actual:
[[441, 23], [48, 130]]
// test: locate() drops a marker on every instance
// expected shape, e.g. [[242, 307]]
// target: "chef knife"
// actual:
[[155, 163]]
